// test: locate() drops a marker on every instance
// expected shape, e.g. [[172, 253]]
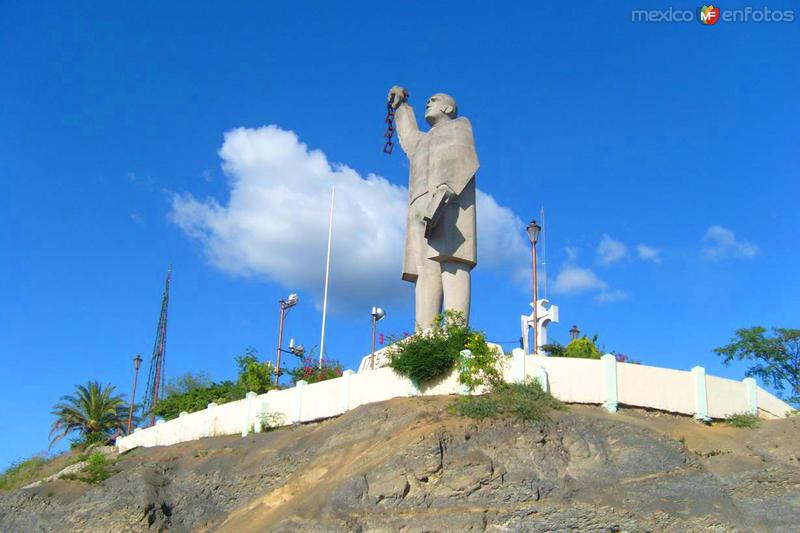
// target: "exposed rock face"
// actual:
[[407, 465]]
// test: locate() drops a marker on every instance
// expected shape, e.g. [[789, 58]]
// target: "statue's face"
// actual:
[[440, 107]]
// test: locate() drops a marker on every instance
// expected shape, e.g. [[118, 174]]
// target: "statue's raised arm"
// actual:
[[406, 123]]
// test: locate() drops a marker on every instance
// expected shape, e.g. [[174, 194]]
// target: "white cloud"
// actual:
[[275, 222], [572, 253], [611, 296], [573, 279], [720, 242], [610, 250], [648, 253]]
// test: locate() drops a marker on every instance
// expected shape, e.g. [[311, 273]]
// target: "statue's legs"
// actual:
[[456, 287], [428, 293]]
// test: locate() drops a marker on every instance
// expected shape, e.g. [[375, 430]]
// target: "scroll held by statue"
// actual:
[[435, 211]]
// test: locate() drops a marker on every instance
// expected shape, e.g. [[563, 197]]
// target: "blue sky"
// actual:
[[678, 137]]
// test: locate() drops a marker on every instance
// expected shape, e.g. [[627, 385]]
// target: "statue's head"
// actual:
[[440, 107]]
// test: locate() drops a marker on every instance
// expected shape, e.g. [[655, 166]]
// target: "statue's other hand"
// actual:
[[449, 193], [397, 95]]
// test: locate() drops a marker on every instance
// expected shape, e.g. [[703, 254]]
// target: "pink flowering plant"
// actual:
[[311, 371]]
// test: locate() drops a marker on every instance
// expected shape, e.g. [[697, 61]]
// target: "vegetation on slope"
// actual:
[[527, 402]]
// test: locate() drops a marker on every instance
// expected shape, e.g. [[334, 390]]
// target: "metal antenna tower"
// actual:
[[156, 376]]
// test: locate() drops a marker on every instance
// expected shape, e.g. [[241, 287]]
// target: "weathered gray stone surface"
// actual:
[[407, 465], [440, 251]]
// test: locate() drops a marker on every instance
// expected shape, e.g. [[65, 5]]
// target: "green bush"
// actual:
[[193, 392], [524, 401], [431, 355], [553, 349], [583, 348], [98, 468], [742, 420], [271, 421], [482, 366], [255, 375], [199, 398]]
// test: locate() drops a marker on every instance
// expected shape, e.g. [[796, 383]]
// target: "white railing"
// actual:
[[603, 382]]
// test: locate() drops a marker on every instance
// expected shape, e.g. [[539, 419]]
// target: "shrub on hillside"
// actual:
[[271, 421], [433, 354], [742, 420], [199, 398], [21, 473], [98, 468], [524, 401], [583, 348], [193, 392], [553, 349], [254, 375]]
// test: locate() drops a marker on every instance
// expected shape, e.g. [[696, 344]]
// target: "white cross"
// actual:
[[544, 316]]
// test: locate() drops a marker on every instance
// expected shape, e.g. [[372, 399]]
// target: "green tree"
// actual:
[[187, 382], [255, 375], [92, 411], [197, 399], [193, 392], [554, 349], [776, 358]]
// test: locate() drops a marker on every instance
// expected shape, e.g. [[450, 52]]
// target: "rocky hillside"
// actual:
[[408, 465]]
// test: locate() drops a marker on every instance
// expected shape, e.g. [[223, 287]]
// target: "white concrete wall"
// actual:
[[769, 406], [656, 388], [570, 380]]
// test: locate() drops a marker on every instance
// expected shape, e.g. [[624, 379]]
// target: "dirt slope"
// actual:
[[407, 465]]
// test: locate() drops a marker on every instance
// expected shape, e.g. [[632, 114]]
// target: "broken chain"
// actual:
[[389, 146]]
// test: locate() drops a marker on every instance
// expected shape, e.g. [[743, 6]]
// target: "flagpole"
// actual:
[[327, 275], [544, 253]]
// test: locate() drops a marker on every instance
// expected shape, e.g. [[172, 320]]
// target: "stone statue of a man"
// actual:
[[440, 248]]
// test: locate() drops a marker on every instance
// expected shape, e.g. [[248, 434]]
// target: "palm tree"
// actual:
[[93, 411]]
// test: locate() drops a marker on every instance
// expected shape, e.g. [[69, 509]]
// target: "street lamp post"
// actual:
[[137, 361], [377, 314], [533, 230], [286, 304]]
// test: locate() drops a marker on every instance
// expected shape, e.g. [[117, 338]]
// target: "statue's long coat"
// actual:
[[445, 154]]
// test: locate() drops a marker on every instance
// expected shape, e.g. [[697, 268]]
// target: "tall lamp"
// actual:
[[377, 314], [533, 230], [286, 304], [137, 362]]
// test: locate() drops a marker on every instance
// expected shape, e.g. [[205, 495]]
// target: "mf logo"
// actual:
[[709, 15]]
